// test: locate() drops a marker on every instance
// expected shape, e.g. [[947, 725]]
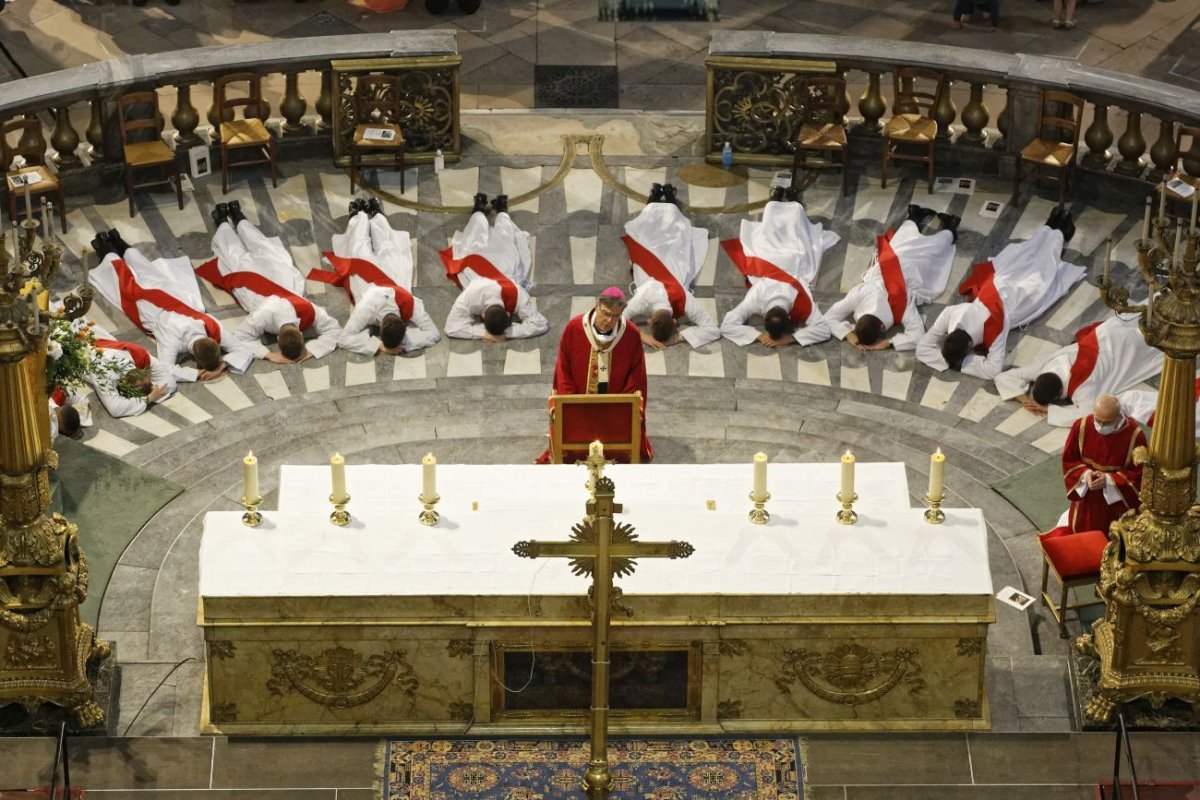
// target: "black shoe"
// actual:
[[357, 205], [373, 207], [949, 222], [481, 203], [101, 244], [1055, 218], [1066, 224], [116, 244], [791, 194], [500, 203], [235, 212], [656, 193], [220, 213], [777, 194], [669, 194]]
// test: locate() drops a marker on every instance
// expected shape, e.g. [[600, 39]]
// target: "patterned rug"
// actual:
[[552, 769]]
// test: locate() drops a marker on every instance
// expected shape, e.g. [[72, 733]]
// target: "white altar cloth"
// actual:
[[385, 551]]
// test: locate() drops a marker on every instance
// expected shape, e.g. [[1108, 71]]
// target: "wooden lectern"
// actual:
[[576, 420]]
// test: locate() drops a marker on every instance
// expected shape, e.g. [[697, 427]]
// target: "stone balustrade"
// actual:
[[754, 91], [426, 62]]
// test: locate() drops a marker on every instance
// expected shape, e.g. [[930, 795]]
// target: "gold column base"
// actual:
[[429, 516], [934, 514], [847, 516], [759, 514], [597, 782], [340, 516], [252, 518]]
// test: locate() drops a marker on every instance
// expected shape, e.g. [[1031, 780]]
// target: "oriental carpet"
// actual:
[[552, 769]]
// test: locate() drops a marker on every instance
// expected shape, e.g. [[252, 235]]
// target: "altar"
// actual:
[[390, 626]]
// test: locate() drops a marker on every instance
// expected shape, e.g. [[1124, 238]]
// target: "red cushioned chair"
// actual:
[[1075, 560]]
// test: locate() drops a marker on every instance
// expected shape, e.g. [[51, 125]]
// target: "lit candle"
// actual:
[[28, 204], [250, 476], [1175, 253], [1162, 203], [1108, 260], [337, 465], [45, 221], [596, 450], [847, 476], [429, 476], [1146, 221], [1195, 199], [760, 477], [937, 475]]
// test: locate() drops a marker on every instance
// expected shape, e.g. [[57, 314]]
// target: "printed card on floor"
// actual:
[[1015, 598], [965, 186], [1181, 188], [782, 180], [992, 209], [943, 184]]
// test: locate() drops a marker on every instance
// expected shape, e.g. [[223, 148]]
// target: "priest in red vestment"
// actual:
[[1101, 479], [601, 353]]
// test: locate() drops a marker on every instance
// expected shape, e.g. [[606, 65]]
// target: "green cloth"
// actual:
[[110, 501], [1037, 492]]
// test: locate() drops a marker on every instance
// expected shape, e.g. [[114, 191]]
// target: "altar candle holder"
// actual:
[[340, 516], [429, 516], [934, 514], [847, 516], [253, 517], [759, 514]]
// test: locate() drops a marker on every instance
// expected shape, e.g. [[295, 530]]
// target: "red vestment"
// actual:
[[1112, 454], [626, 371]]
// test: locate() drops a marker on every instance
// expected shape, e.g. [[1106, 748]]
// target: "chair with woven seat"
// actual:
[[377, 109], [1187, 167], [823, 129], [911, 133], [28, 130], [246, 133], [1057, 151], [1074, 558], [142, 143]]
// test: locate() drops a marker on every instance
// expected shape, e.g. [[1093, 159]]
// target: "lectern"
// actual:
[[577, 420]]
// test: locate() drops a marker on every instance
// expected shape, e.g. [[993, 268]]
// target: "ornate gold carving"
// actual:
[[340, 677], [966, 708], [225, 712], [850, 674], [221, 649], [729, 709], [460, 648], [732, 647], [31, 652], [461, 712], [969, 647]]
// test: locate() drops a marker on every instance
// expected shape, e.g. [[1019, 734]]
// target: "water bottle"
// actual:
[[727, 155], [439, 161]]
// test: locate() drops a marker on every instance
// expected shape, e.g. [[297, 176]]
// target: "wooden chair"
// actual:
[[1074, 558], [1187, 167], [911, 133], [823, 128], [577, 420], [377, 104], [247, 133], [141, 140], [28, 130], [1056, 153]]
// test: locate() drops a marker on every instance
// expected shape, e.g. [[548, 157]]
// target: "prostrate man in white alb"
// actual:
[[491, 266], [780, 258], [666, 253], [139, 381], [1010, 291], [1106, 358], [910, 267], [374, 264], [1141, 405], [260, 274], [161, 297]]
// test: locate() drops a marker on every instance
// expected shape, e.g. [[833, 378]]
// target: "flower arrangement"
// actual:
[[72, 357]]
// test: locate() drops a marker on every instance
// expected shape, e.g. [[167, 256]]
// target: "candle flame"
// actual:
[[939, 450], [250, 454], [847, 453]]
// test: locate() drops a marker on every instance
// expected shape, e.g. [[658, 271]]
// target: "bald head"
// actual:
[[1107, 409]]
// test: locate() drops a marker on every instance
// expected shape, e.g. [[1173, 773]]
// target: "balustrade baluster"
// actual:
[[1002, 123], [293, 106], [95, 131], [872, 105], [1131, 146], [186, 118], [64, 139], [974, 117], [324, 104], [32, 137], [1162, 152], [844, 101], [945, 113], [1098, 137]]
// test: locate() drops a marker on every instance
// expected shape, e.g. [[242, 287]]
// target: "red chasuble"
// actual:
[[1088, 450], [626, 372]]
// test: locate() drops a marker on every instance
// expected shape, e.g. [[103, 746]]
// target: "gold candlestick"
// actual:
[[759, 514], [847, 516], [934, 514], [340, 516], [429, 516], [252, 518]]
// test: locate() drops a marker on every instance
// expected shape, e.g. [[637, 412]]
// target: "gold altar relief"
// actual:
[[967, 709], [221, 648], [460, 648], [729, 709], [340, 677], [969, 647], [850, 674], [31, 652], [225, 712]]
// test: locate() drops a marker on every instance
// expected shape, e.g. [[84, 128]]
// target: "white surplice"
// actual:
[[1141, 403], [788, 239], [479, 294], [503, 244], [763, 295]]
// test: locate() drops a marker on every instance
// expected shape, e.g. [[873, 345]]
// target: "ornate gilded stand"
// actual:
[[45, 649]]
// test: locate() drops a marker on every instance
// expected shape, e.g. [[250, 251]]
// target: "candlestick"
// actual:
[[847, 516], [1150, 309], [759, 514], [937, 472], [1108, 260], [340, 516], [760, 477], [428, 515], [847, 473], [429, 474], [251, 499], [337, 465], [934, 514], [28, 204], [1146, 222], [252, 518]]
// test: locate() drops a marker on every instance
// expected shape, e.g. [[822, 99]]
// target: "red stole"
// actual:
[[893, 277], [258, 284], [652, 266], [484, 269], [59, 396], [132, 292], [140, 356], [981, 286], [344, 268], [755, 267], [1085, 357]]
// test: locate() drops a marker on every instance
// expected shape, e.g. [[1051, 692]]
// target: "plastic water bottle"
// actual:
[[439, 161], [727, 155]]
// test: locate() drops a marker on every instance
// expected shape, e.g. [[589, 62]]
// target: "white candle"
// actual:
[[428, 477], [337, 465], [1162, 203], [760, 477], [1195, 198], [28, 204], [1176, 255], [45, 221], [1108, 260], [937, 474], [1150, 309], [1146, 221], [847, 476], [596, 450], [250, 477]]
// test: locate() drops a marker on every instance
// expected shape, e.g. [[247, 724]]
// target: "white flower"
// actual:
[[54, 350]]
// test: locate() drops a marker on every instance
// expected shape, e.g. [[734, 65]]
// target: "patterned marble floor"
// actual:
[[485, 404]]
